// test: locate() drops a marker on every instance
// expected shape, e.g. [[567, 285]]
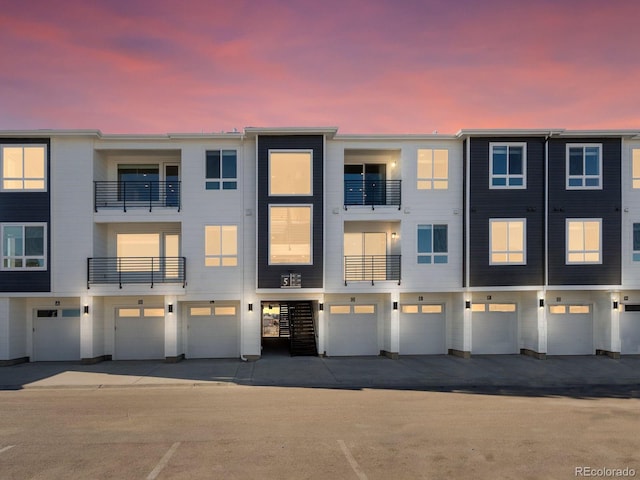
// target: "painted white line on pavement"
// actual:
[[163, 462], [352, 461], [6, 448]]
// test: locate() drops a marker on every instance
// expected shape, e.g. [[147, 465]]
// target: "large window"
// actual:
[[507, 241], [584, 166], [23, 167], [432, 244], [24, 246], [290, 173], [290, 235], [138, 249], [433, 169], [584, 240], [221, 246], [508, 165], [221, 170]]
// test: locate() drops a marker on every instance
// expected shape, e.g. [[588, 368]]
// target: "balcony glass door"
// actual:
[[366, 252], [172, 187], [364, 184], [138, 183]]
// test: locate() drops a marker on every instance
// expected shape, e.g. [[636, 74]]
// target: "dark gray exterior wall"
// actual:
[[23, 207], [269, 275]]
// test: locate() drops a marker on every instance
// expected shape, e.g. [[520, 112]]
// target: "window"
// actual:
[[636, 242], [139, 248], [23, 167], [290, 235], [24, 246], [290, 173], [635, 167], [340, 309], [508, 165], [506, 240], [221, 170], [584, 166], [584, 240], [433, 169], [221, 246], [422, 309], [432, 244]]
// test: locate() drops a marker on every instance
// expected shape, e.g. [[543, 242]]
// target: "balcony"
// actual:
[[136, 194], [372, 193], [136, 270], [372, 268]]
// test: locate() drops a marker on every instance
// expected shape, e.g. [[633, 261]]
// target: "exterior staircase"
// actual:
[[302, 328]]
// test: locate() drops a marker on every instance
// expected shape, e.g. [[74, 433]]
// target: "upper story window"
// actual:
[[221, 170], [584, 166], [508, 165], [635, 167], [433, 169], [24, 246], [584, 240], [507, 241], [432, 244], [290, 235], [23, 167], [636, 242], [221, 246], [290, 172]]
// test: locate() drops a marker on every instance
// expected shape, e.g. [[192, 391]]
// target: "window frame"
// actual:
[[220, 181], [635, 172], [44, 179], [584, 251], [508, 176], [221, 256], [507, 251], [432, 180], [584, 177], [25, 257], [295, 205], [635, 253], [432, 255], [270, 177]]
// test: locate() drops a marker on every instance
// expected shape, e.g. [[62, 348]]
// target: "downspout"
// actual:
[[244, 266]]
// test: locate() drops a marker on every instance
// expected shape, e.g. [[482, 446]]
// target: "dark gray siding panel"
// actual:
[[465, 214], [269, 275], [486, 204], [604, 204], [28, 207]]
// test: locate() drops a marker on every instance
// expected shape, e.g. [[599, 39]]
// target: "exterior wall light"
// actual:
[[251, 307], [321, 306], [541, 303], [395, 305], [170, 308], [467, 304], [615, 304], [86, 309], [394, 235]]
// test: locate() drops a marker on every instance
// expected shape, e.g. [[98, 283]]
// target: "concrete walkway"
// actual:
[[444, 372]]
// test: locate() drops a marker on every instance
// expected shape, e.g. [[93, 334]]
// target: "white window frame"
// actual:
[[24, 257], [524, 241], [280, 150], [567, 252], [23, 178], [220, 180], [635, 172], [432, 180], [635, 254], [221, 257], [508, 176], [432, 254], [294, 205], [584, 177]]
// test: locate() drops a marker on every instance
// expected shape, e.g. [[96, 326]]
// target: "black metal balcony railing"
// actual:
[[123, 270], [372, 192], [136, 194], [369, 268]]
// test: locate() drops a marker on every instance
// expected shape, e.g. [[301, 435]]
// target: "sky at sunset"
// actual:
[[377, 66]]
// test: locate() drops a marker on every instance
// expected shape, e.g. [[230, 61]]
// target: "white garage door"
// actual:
[[139, 333], [353, 330], [494, 328], [56, 335], [213, 332], [630, 330], [422, 330], [570, 330]]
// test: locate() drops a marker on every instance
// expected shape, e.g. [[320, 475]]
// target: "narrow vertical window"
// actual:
[[584, 240], [433, 169], [432, 244], [507, 242]]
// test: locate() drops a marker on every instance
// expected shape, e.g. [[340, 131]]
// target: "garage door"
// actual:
[[630, 330], [494, 328], [353, 330], [139, 333], [56, 335], [422, 330], [570, 330], [213, 332]]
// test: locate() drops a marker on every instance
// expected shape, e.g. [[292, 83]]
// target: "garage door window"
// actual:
[[225, 311], [200, 311], [572, 309], [364, 309], [410, 309], [340, 309], [502, 307]]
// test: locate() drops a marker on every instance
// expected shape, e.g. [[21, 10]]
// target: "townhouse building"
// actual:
[[227, 245]]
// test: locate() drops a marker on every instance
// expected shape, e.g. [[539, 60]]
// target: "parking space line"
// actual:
[[163, 462], [6, 448], [352, 461]]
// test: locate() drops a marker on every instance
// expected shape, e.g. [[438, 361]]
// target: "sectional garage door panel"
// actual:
[[422, 333], [56, 335], [570, 331], [212, 335], [494, 332], [353, 334], [139, 336], [630, 333]]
